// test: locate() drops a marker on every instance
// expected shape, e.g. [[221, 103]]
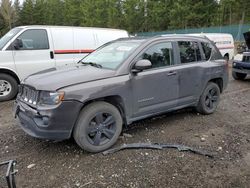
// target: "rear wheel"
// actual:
[[98, 127], [209, 99], [8, 87], [239, 76], [226, 57]]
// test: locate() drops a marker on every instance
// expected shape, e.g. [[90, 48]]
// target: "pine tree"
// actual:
[[27, 13], [132, 15], [7, 13], [17, 10]]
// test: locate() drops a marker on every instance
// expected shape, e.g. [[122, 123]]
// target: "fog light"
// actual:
[[42, 121], [45, 120]]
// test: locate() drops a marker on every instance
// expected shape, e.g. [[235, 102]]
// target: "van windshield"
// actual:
[[110, 56], [8, 36]]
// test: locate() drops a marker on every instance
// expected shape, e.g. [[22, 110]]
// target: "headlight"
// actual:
[[51, 98]]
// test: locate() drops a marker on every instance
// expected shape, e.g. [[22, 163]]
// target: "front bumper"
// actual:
[[244, 71], [241, 67], [48, 123]]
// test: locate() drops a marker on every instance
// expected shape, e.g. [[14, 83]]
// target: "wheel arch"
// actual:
[[115, 100], [219, 82], [226, 55], [11, 73]]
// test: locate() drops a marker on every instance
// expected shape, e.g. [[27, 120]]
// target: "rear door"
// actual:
[[35, 54], [190, 72], [156, 89]]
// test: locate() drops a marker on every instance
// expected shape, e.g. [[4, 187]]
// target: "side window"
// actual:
[[34, 40], [160, 55], [189, 51], [207, 48]]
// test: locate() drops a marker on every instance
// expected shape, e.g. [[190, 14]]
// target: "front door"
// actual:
[[156, 89], [35, 54]]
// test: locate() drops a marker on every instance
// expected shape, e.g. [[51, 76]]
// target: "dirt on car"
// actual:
[[225, 134]]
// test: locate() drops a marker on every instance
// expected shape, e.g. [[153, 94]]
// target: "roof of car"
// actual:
[[56, 26], [168, 36]]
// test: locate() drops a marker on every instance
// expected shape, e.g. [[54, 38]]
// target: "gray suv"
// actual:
[[121, 82]]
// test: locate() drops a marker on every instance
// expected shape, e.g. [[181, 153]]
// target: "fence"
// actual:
[[236, 30]]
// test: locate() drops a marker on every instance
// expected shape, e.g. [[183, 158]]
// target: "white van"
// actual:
[[223, 41], [28, 49]]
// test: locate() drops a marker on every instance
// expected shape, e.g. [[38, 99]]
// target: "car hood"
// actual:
[[56, 78]]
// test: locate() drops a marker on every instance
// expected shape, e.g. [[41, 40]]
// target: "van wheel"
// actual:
[[239, 76], [8, 87], [209, 99], [98, 127], [226, 57]]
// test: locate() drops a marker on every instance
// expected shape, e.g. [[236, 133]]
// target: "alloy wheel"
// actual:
[[101, 129]]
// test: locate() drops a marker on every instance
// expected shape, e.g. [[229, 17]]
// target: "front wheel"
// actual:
[[8, 87], [209, 99], [98, 127], [239, 76]]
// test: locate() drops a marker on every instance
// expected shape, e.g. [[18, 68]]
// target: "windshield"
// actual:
[[246, 58], [8, 36], [112, 55]]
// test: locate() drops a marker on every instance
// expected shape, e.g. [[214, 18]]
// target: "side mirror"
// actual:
[[17, 44], [141, 65]]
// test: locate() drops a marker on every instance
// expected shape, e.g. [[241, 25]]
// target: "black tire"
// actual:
[[92, 133], [209, 99], [226, 57], [239, 76], [7, 93]]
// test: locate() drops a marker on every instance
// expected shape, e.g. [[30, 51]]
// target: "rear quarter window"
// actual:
[[207, 49]]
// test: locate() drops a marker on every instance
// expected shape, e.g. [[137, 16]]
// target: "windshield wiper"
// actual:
[[92, 64]]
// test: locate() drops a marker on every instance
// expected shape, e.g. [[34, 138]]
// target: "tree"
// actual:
[[234, 12], [157, 15], [72, 9], [115, 14], [2, 26], [132, 15], [192, 13], [17, 10], [27, 13], [7, 12]]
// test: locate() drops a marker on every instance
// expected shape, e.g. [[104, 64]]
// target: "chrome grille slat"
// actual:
[[29, 95]]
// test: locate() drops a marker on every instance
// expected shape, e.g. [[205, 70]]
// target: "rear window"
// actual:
[[189, 51], [207, 49]]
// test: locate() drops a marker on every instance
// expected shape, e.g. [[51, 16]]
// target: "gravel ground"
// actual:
[[225, 133]]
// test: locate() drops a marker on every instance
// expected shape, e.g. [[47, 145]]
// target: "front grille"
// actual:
[[242, 68], [247, 68], [28, 94]]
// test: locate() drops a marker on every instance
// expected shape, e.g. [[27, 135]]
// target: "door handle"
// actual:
[[171, 73], [51, 55]]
